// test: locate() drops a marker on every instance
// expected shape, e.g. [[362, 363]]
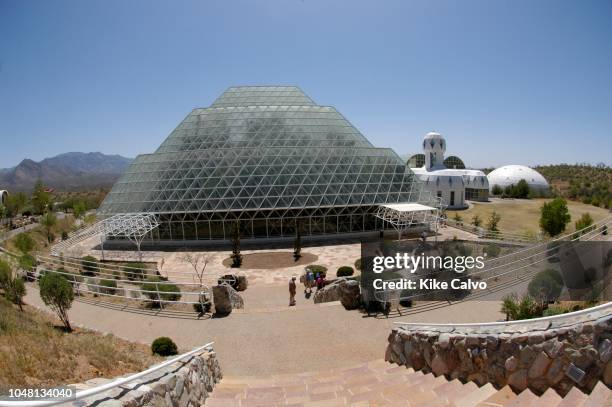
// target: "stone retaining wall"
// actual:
[[559, 353], [185, 383]]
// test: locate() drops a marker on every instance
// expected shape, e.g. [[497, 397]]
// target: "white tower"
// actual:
[[434, 147]]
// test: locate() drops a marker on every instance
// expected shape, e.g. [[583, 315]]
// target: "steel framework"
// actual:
[[403, 216], [131, 226], [268, 158]]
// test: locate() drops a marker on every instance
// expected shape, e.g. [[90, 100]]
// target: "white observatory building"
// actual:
[[454, 186]]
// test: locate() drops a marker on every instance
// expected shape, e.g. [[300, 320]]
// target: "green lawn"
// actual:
[[523, 215]]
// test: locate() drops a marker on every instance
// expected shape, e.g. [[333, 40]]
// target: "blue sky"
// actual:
[[517, 81]]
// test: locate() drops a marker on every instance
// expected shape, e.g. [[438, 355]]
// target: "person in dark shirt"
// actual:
[[292, 290]]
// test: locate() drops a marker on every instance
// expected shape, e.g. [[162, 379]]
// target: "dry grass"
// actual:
[[523, 215], [35, 353], [40, 236]]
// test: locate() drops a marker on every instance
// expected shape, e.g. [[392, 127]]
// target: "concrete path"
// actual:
[[289, 340]]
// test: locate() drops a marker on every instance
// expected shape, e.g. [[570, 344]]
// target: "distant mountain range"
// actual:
[[67, 172]]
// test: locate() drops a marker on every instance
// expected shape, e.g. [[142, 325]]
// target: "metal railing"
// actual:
[[524, 261], [115, 383], [598, 308]]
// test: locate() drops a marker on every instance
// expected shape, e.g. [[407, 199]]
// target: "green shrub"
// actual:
[[546, 286], [64, 235], [526, 308], [90, 265], [316, 268], [5, 274], [201, 309], [164, 346], [167, 291], [492, 250], [135, 271], [27, 262], [345, 271], [108, 286], [585, 222], [72, 276], [24, 243], [555, 310]]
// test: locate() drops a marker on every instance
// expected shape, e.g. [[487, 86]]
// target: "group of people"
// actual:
[[309, 280]]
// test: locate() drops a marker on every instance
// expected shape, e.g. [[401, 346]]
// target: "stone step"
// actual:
[[526, 398], [550, 398], [472, 398], [575, 398], [501, 398], [380, 383], [600, 396]]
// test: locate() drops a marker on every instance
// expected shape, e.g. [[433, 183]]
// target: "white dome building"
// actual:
[[452, 185], [512, 174]]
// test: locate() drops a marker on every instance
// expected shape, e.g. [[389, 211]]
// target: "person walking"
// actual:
[[292, 290]]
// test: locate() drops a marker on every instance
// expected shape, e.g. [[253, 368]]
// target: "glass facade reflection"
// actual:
[[270, 160]]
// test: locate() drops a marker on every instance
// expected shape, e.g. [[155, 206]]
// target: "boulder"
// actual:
[[225, 299], [241, 283], [350, 294], [238, 282], [329, 293], [341, 289]]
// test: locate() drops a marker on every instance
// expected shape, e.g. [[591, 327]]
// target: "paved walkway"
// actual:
[[261, 343]]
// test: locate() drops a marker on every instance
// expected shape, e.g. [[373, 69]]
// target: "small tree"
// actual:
[[521, 190], [198, 262], [15, 203], [56, 292], [554, 216], [297, 245], [12, 284], [497, 190], [236, 256], [510, 306], [457, 218], [41, 199], [493, 221], [476, 221], [79, 209], [5, 274], [48, 221], [16, 291], [24, 243]]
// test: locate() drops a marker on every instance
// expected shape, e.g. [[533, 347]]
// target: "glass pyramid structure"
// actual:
[[268, 159]]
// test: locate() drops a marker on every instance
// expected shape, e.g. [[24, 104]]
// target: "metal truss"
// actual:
[[403, 216], [264, 153], [131, 226]]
